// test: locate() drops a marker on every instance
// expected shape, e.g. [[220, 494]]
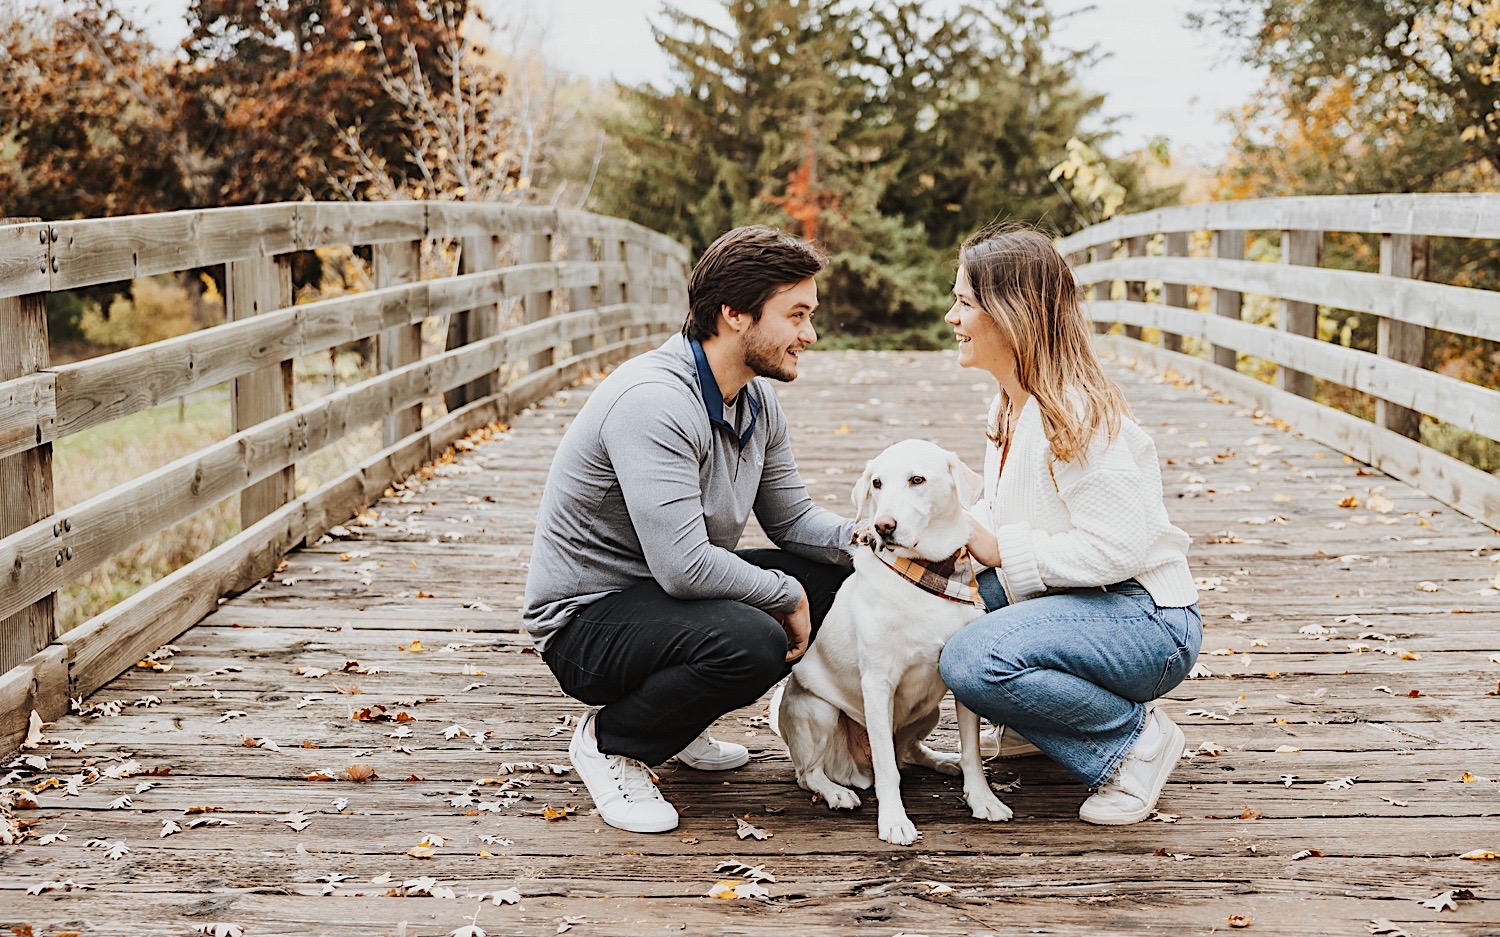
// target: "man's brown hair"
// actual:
[[741, 270]]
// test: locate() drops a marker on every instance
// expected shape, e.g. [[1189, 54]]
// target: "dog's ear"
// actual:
[[966, 481], [861, 494]]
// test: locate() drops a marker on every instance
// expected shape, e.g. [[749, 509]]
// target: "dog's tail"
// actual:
[[775, 717]]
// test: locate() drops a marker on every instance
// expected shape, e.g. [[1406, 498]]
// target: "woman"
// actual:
[[1093, 610]]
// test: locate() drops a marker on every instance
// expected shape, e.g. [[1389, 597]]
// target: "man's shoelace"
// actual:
[[634, 778]]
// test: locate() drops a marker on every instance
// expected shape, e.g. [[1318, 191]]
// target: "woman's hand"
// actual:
[[982, 544]]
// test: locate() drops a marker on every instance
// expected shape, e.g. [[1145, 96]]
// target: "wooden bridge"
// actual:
[[331, 724]]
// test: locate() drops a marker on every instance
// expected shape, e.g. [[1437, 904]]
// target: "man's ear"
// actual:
[[861, 494], [735, 320], [966, 481]]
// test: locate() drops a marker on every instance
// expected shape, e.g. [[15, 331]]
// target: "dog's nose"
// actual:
[[885, 525]]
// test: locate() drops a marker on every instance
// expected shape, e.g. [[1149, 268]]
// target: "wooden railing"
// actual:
[[1155, 246], [594, 290]]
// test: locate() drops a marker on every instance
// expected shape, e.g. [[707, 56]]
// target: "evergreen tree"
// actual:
[[888, 131]]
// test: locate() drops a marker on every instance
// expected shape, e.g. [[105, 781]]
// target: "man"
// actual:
[[635, 597]]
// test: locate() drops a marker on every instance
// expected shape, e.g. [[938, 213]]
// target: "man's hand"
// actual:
[[798, 627]]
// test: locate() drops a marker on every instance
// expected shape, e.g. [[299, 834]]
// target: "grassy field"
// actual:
[[97, 460]]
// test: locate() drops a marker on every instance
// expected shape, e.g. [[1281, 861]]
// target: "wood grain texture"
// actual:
[[445, 555], [1227, 245], [394, 263], [1303, 249], [1176, 244], [1465, 215], [1408, 386], [1406, 257], [26, 472], [257, 286]]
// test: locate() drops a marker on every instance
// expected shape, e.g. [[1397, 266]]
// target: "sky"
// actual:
[[1160, 77]]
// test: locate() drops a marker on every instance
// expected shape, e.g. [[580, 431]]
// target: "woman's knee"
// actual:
[[966, 666]]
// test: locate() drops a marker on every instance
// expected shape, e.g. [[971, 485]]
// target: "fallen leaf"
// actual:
[[415, 647], [359, 774], [1443, 902], [551, 813], [1287, 749], [746, 830], [1382, 926], [1428, 586], [567, 923], [1240, 920], [1481, 854]]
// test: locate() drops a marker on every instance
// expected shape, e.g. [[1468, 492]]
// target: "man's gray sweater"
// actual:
[[650, 482]]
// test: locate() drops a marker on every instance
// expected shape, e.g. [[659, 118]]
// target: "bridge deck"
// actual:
[[410, 619]]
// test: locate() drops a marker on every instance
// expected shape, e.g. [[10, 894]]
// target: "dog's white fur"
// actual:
[[875, 662]]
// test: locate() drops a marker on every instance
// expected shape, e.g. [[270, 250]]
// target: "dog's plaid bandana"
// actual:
[[954, 578]]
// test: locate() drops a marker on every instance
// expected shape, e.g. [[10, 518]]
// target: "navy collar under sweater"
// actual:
[[713, 398]]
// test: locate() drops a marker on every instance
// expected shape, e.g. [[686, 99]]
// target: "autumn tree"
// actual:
[[89, 120]]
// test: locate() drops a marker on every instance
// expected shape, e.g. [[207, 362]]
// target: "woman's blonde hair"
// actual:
[[1024, 284]]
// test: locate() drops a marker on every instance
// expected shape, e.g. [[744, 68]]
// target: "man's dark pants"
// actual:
[[664, 669]]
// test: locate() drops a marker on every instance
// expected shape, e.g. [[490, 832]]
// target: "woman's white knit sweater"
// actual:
[[1091, 522]]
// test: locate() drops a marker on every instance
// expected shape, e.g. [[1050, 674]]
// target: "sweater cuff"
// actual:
[[1018, 561]]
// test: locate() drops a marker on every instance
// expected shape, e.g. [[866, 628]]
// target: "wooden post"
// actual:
[[1135, 290], [476, 255], [1302, 248], [612, 289], [1407, 256], [537, 249], [254, 286], [638, 285], [1227, 245], [1092, 293], [399, 262], [26, 477], [1178, 244], [581, 251]]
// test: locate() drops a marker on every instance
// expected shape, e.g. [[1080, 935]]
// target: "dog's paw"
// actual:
[[839, 798], [898, 830], [987, 806]]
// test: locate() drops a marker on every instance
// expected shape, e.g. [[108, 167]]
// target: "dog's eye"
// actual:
[[875, 483], [916, 480]]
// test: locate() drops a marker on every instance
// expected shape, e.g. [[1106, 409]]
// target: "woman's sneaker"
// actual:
[[1130, 796], [623, 789], [1003, 743], [706, 753]]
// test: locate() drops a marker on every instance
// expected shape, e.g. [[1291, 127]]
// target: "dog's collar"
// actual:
[[954, 578]]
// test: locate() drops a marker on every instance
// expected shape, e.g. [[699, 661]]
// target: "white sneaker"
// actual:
[[1130, 796], [707, 753], [1003, 742], [623, 789]]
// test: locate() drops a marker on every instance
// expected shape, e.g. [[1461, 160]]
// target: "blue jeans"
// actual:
[[1072, 670]]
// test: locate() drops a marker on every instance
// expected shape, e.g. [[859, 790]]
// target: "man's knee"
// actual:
[[748, 649]]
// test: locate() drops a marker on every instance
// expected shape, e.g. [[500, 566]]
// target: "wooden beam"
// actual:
[[28, 411], [537, 248], [1459, 309], [1465, 405], [123, 516], [1227, 245], [1303, 249], [111, 642], [1135, 290], [26, 476], [1173, 293], [255, 286], [399, 262], [40, 684], [1402, 256], [1471, 491], [476, 255]]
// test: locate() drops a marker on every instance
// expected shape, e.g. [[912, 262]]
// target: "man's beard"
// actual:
[[766, 358]]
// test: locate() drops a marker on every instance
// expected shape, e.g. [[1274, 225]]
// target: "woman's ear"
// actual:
[[861, 493], [966, 481]]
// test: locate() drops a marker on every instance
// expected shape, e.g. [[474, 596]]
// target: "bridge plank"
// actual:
[[461, 533]]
